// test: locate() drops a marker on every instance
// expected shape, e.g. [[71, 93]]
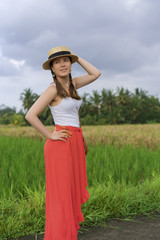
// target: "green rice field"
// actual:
[[123, 172]]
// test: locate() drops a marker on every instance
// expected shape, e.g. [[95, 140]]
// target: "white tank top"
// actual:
[[66, 112]]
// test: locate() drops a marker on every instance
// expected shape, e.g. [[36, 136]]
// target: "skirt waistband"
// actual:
[[71, 128]]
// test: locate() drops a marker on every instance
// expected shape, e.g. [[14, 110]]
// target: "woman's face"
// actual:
[[61, 66]]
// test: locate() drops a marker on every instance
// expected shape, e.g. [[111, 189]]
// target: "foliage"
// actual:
[[120, 107], [17, 120], [28, 98], [6, 113], [106, 107]]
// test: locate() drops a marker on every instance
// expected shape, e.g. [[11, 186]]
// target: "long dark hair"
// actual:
[[61, 91]]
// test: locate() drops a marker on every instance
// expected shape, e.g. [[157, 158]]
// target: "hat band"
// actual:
[[58, 54]]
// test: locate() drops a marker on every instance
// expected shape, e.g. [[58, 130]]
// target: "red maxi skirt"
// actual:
[[66, 181]]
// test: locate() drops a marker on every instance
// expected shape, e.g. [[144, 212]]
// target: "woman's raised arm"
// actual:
[[93, 73]]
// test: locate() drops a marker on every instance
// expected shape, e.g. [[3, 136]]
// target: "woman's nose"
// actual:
[[62, 63]]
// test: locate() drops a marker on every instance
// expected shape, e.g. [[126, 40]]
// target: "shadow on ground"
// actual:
[[138, 228]]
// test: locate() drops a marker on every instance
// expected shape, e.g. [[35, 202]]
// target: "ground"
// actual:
[[139, 228]]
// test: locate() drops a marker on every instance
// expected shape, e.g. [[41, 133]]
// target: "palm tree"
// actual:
[[28, 98], [124, 97], [108, 100], [84, 109], [95, 101]]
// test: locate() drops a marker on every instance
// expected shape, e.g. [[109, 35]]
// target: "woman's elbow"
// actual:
[[98, 74], [28, 116]]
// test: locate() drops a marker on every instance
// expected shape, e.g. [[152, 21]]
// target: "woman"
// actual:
[[65, 163]]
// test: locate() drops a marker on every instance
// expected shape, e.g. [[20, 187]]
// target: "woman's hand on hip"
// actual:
[[60, 135]]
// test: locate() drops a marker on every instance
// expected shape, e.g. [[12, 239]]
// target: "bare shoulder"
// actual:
[[51, 88], [45, 98], [51, 91]]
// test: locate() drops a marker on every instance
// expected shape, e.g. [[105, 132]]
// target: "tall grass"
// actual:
[[22, 164], [126, 165]]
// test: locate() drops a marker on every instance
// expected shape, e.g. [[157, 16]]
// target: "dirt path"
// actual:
[[139, 228]]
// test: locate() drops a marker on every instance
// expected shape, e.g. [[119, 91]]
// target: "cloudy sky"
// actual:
[[120, 37]]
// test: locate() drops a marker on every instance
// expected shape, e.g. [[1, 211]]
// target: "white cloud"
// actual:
[[17, 64]]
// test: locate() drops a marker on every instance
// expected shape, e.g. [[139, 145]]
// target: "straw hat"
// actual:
[[58, 52]]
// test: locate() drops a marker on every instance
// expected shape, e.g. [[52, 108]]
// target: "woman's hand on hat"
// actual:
[[60, 135], [73, 53]]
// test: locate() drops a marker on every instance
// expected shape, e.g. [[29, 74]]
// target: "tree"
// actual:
[[28, 98], [123, 101], [84, 109], [95, 101], [6, 114]]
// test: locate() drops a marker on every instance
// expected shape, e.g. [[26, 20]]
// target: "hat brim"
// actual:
[[46, 65]]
